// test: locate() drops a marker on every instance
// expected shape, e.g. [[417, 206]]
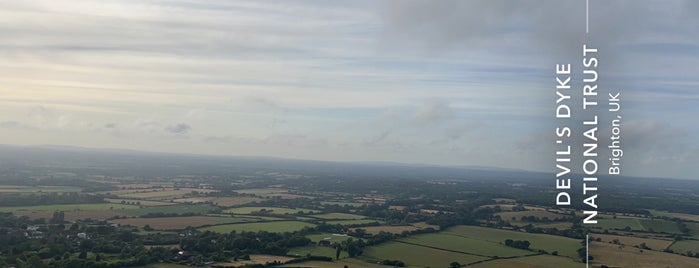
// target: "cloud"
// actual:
[[180, 128], [197, 114], [644, 136], [433, 122], [14, 125], [317, 87], [466, 126], [432, 111], [145, 123], [548, 24], [269, 107], [265, 103], [379, 138], [218, 139]]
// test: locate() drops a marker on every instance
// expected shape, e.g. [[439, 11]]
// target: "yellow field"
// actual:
[[271, 192], [689, 217], [165, 192], [614, 256]]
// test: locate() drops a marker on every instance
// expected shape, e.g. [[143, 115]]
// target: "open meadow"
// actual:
[[276, 226]]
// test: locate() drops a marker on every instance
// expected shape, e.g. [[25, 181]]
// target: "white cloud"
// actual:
[[412, 81]]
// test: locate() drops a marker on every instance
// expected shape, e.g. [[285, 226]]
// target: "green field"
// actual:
[[452, 242], [339, 216], [414, 255], [619, 223], [71, 207], [660, 226], [557, 225], [277, 226], [177, 223], [539, 261], [38, 189], [517, 215], [694, 229], [565, 246], [686, 245], [271, 210], [640, 224]]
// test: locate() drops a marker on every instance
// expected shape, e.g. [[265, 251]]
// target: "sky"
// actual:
[[456, 83]]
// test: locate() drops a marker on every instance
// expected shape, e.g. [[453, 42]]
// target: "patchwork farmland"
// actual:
[[188, 220]]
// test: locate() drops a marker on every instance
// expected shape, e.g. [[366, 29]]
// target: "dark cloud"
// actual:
[[646, 136], [544, 26], [180, 128]]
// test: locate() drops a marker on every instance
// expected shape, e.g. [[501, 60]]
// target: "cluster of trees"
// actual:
[[59, 245], [532, 218], [223, 247], [521, 244], [395, 263], [351, 246]]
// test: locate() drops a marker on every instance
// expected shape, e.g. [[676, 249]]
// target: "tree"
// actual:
[[83, 254], [338, 250], [32, 262], [643, 246], [58, 217], [454, 265], [521, 244], [353, 248]]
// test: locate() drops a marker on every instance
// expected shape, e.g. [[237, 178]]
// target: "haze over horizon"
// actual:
[[453, 83]]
